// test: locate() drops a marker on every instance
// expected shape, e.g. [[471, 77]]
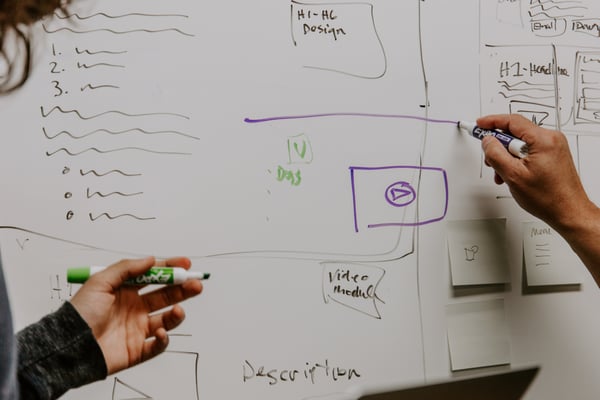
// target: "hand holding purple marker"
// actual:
[[516, 147]]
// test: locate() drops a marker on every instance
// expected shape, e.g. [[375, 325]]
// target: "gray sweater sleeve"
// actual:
[[56, 354]]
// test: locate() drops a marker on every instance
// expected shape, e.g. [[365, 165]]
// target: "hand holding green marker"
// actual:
[[155, 275]]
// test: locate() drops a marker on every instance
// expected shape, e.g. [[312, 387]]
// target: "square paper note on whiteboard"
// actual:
[[548, 258], [477, 334], [477, 250]]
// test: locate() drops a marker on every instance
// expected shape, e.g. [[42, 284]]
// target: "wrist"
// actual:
[[580, 222]]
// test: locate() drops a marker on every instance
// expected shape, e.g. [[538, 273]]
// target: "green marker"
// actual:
[[155, 275]]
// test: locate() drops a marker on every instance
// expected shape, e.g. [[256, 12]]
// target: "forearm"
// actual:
[[546, 184], [582, 232], [56, 354]]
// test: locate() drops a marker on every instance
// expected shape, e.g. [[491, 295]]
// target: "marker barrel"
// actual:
[[515, 146], [154, 276]]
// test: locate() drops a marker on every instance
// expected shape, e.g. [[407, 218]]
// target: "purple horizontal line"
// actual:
[[410, 224], [348, 114]]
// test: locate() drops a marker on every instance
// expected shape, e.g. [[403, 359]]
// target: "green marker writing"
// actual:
[[155, 275]]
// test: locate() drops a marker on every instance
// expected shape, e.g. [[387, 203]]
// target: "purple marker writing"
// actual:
[[516, 147]]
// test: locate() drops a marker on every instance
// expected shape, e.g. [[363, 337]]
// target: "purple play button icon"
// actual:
[[400, 194]]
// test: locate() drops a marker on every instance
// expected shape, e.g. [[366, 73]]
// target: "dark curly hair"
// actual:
[[16, 16]]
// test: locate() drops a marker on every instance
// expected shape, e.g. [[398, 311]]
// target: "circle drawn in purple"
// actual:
[[400, 194]]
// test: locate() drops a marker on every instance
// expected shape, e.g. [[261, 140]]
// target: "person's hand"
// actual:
[[124, 322], [545, 183]]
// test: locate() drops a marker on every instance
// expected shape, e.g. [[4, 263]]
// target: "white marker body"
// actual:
[[515, 146], [155, 275]]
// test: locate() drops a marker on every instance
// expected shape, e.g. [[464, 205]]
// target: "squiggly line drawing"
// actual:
[[539, 89], [63, 132], [63, 149], [85, 66], [533, 15], [92, 87], [507, 96], [526, 83], [117, 32], [91, 194], [542, 247], [102, 174], [545, 8], [81, 116], [112, 217], [101, 14], [93, 53]]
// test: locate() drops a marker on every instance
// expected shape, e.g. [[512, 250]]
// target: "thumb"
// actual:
[[119, 272]]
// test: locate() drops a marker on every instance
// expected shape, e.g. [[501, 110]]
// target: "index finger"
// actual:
[[171, 294], [182, 262]]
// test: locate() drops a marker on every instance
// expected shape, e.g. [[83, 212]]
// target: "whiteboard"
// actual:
[[287, 147]]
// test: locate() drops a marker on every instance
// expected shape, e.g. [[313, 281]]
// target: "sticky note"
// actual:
[[478, 252], [477, 334], [548, 258]]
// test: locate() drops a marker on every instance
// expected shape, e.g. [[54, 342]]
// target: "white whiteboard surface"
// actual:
[[285, 147]]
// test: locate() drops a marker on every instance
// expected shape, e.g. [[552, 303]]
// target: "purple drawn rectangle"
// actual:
[[417, 223]]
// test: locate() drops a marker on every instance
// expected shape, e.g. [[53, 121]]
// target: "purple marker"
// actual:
[[516, 147]]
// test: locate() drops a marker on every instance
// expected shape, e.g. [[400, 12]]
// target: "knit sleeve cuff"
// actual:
[[58, 353]]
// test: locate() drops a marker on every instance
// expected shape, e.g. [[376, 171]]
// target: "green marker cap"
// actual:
[[78, 275]]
